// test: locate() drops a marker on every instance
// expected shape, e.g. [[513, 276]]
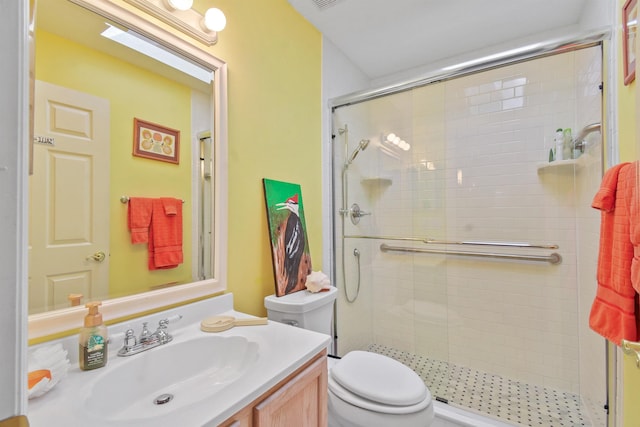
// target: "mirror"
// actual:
[[93, 92]]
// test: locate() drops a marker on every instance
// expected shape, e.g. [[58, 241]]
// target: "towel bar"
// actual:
[[553, 258], [125, 199], [429, 240]]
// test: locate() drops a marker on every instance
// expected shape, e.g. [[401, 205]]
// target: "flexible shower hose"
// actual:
[[356, 253], [343, 213]]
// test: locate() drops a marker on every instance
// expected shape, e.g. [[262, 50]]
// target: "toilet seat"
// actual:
[[378, 383]]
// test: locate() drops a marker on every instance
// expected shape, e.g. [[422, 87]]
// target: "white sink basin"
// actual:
[[183, 373]]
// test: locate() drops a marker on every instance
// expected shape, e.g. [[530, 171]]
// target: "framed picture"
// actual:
[[156, 142], [629, 29], [288, 236]]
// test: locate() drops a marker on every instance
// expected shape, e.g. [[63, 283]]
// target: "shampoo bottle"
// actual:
[[93, 339]]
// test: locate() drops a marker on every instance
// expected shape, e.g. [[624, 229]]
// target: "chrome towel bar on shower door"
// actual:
[[447, 242], [553, 258]]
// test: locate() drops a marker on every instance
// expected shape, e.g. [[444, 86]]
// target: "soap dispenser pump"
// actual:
[[93, 339]]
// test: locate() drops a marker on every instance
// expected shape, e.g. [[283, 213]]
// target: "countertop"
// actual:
[[281, 350]]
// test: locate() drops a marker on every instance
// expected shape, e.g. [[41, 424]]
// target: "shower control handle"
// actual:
[[356, 213], [359, 214]]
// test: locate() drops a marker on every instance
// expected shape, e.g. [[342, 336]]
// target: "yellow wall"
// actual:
[[628, 152], [133, 92], [274, 60], [626, 110]]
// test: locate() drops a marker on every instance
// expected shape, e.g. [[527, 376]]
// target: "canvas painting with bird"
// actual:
[[288, 236]]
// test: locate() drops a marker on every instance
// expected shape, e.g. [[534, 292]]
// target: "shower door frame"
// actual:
[[540, 50]]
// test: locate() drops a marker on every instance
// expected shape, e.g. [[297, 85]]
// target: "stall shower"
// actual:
[[472, 259]]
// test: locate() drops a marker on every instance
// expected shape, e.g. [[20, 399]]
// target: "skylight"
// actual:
[[141, 44]]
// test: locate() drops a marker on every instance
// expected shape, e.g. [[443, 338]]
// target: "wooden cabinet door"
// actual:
[[301, 402], [241, 419]]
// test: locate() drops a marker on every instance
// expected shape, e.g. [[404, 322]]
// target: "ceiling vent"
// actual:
[[325, 4]]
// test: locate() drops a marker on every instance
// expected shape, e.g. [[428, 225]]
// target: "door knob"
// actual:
[[98, 256]]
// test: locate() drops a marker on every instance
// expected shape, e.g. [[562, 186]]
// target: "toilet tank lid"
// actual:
[[301, 301]]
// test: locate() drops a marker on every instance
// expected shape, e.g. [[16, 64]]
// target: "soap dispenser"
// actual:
[[93, 339]]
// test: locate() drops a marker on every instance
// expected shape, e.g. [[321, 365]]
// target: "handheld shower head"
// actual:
[[364, 143]]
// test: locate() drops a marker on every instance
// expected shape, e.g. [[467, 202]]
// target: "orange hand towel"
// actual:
[[613, 312], [169, 206], [139, 218], [165, 234]]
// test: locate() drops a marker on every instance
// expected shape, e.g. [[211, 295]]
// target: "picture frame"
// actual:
[[156, 142], [629, 32], [288, 236]]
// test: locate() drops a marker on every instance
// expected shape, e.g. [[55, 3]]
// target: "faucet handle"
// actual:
[[129, 339], [161, 333], [163, 324]]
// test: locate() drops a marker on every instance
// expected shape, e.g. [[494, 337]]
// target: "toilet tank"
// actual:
[[307, 310]]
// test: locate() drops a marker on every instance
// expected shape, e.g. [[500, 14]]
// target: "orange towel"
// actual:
[[165, 234], [613, 313], [139, 218], [634, 223]]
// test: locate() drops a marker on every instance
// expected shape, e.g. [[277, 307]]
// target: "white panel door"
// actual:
[[69, 198]]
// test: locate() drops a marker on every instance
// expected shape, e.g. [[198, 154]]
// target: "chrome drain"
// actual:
[[163, 398]]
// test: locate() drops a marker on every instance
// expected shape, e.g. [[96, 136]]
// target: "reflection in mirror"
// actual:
[[89, 88]]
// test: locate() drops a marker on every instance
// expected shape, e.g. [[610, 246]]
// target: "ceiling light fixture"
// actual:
[[179, 15]]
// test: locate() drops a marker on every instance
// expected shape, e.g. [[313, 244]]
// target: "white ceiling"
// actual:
[[383, 37]]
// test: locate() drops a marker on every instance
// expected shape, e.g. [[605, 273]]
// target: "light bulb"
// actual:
[[214, 20], [180, 4], [390, 137], [396, 140]]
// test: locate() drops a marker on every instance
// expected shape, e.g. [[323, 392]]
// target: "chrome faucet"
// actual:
[[147, 340]]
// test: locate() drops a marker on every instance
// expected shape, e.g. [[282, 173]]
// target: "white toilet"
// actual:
[[365, 389]]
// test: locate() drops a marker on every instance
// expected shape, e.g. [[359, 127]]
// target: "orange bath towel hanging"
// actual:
[[139, 218], [165, 234], [613, 312]]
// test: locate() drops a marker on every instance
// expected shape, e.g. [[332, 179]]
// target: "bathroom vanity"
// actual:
[[271, 374], [298, 400]]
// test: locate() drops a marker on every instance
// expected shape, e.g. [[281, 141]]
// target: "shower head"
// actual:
[[364, 143]]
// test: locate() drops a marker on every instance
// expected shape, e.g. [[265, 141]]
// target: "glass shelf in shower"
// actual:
[[378, 181], [559, 165]]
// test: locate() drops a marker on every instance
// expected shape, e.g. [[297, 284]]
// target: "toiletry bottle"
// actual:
[[577, 149], [93, 339], [567, 146], [559, 144]]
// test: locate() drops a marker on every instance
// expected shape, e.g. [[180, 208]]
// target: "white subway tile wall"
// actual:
[[471, 174]]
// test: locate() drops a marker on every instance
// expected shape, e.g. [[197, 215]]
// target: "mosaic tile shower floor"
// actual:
[[504, 399]]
